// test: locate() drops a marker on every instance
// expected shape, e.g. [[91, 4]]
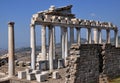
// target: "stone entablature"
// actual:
[[52, 17]]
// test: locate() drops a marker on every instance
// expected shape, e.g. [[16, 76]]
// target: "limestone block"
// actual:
[[31, 76], [60, 63], [28, 63], [41, 77], [43, 65], [55, 75], [47, 18], [21, 74], [28, 71], [21, 63], [36, 71], [75, 21], [45, 73]]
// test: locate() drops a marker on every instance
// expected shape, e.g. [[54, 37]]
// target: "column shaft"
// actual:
[[108, 36], [11, 68], [43, 42], [66, 42], [78, 36], [33, 46], [95, 32], [51, 48], [54, 43], [99, 36], [63, 42], [71, 35], [89, 36], [116, 37]]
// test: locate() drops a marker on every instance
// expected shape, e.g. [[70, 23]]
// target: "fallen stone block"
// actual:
[[28, 71], [55, 75], [31, 76], [21, 74], [36, 71], [41, 77], [45, 73], [60, 63]]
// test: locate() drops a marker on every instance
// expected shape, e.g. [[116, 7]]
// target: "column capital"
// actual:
[[107, 29], [78, 28], [11, 23], [32, 25], [43, 25], [116, 30]]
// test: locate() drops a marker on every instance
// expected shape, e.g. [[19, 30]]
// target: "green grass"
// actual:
[[117, 80]]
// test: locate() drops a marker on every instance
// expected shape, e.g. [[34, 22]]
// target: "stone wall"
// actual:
[[112, 61], [83, 64], [92, 63]]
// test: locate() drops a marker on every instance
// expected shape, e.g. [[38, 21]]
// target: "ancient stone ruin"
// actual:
[[92, 62]]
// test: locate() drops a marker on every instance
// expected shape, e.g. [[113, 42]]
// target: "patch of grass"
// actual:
[[117, 80]]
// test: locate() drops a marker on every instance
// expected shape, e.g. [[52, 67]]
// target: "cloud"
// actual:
[[93, 15]]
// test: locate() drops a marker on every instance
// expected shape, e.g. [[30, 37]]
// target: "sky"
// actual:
[[21, 11]]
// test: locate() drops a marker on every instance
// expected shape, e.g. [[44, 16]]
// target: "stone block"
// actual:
[[36, 71], [21, 74], [21, 63], [60, 63], [43, 65], [41, 77], [45, 73], [28, 71], [31, 76], [55, 75]]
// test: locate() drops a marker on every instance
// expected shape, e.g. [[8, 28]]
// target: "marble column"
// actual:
[[63, 42], [54, 43], [95, 33], [99, 36], [33, 46], [66, 42], [89, 36], [43, 42], [71, 35], [78, 36], [11, 66], [116, 37], [108, 36], [51, 48]]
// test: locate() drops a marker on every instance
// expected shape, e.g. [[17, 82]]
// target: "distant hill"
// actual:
[[24, 49]]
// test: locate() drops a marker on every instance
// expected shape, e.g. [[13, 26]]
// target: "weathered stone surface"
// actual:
[[83, 64], [21, 74], [31, 76], [55, 75], [41, 77]]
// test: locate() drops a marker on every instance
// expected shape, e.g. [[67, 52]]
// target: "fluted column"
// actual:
[[78, 36], [71, 35], [99, 36], [51, 48], [66, 42], [89, 36], [63, 42], [108, 36], [11, 66], [116, 37], [33, 46], [43, 42], [54, 43], [95, 33]]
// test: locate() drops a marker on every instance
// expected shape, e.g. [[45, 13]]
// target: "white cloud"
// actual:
[[93, 15]]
